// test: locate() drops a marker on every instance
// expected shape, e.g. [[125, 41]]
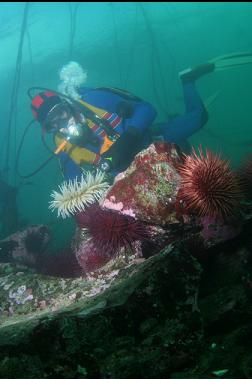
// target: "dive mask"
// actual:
[[61, 119]]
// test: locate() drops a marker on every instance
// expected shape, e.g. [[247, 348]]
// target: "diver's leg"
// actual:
[[184, 126], [193, 102]]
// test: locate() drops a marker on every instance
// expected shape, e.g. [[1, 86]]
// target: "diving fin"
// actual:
[[232, 60], [221, 62]]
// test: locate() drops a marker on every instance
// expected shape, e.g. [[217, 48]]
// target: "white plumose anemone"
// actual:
[[76, 196]]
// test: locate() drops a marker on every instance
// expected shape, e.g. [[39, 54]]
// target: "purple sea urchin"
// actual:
[[110, 229]]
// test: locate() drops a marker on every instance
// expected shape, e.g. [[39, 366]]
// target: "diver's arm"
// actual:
[[69, 168]]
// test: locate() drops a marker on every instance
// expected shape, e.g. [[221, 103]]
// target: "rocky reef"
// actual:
[[172, 315], [170, 300]]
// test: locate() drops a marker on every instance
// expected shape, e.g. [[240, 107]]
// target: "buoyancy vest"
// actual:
[[81, 154], [107, 137]]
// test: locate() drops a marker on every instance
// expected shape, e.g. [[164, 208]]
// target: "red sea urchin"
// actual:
[[209, 187], [109, 230]]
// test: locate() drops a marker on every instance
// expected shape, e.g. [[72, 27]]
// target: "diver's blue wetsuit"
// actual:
[[140, 116], [180, 128], [175, 130]]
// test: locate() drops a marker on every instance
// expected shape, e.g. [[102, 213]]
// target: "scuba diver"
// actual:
[[107, 127]]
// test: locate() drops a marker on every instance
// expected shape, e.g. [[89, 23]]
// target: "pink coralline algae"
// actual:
[[147, 190]]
